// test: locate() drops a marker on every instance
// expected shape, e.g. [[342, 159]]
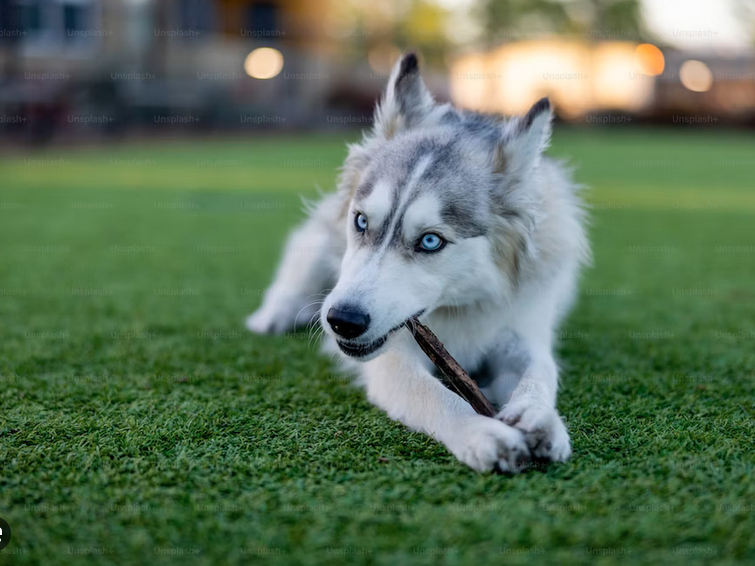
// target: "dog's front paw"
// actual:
[[277, 317], [486, 444], [265, 321], [542, 426]]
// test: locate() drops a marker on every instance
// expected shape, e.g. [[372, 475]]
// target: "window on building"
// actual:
[[48, 25], [196, 15], [263, 20], [28, 14], [77, 19]]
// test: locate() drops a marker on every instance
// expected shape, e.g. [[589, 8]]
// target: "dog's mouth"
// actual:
[[364, 349]]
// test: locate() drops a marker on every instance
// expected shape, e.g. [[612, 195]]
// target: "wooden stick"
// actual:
[[464, 385]]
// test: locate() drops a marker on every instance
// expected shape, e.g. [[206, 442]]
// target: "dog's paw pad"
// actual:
[[542, 427]]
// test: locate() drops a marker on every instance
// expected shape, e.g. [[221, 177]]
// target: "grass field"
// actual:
[[140, 423]]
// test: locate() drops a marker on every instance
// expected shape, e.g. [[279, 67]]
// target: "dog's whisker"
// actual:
[[457, 315], [308, 305], [313, 336]]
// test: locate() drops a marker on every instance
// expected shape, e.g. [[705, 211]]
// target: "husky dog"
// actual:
[[455, 217]]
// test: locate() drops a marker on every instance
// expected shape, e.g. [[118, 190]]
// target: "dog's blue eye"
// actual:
[[431, 242], [360, 222]]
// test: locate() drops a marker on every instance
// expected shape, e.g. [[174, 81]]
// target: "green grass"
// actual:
[[141, 424]]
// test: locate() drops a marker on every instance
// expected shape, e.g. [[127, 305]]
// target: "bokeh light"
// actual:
[[263, 63], [649, 59], [696, 76]]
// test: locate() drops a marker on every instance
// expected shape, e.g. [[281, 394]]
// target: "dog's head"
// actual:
[[437, 211]]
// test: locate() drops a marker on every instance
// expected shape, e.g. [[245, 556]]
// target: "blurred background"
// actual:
[[152, 158], [97, 69], [153, 152]]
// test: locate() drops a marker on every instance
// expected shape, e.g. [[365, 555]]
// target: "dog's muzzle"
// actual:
[[357, 349]]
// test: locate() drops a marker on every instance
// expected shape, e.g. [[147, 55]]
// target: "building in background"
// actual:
[[94, 67], [588, 79], [134, 62]]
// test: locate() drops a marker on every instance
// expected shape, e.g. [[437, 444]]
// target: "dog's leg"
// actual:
[[527, 380], [400, 385], [308, 269], [532, 408]]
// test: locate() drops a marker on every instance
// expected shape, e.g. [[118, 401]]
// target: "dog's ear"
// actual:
[[406, 101], [523, 141]]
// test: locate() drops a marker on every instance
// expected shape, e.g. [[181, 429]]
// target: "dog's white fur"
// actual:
[[493, 299]]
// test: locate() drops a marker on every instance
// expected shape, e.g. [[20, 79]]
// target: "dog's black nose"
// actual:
[[348, 321]]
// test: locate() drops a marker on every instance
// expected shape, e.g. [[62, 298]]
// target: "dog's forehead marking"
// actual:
[[418, 189], [401, 197], [422, 212], [377, 204]]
